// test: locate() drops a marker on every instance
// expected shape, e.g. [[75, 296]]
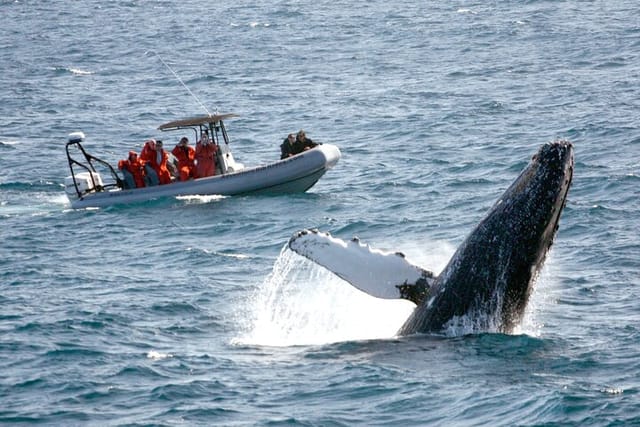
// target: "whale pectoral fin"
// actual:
[[381, 274]]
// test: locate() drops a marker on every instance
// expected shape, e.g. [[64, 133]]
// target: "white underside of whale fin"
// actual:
[[387, 275]]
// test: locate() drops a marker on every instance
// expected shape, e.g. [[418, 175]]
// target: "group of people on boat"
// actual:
[[295, 144], [154, 166]]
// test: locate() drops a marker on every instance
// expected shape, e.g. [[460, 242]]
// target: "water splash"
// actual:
[[300, 303], [71, 70], [478, 321], [156, 355], [196, 199]]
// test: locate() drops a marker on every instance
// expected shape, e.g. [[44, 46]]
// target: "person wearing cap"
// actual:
[[156, 159], [205, 156], [186, 156], [133, 171]]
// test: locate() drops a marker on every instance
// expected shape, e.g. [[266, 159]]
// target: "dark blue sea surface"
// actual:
[[191, 312]]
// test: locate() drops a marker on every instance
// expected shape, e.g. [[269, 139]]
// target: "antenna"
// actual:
[[180, 80]]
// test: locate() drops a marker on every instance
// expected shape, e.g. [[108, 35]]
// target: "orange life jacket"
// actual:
[[135, 167], [150, 156], [206, 159], [186, 161]]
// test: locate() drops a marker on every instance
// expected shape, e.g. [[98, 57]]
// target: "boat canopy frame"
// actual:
[[213, 124], [89, 165]]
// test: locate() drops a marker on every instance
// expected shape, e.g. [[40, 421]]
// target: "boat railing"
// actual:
[[89, 165]]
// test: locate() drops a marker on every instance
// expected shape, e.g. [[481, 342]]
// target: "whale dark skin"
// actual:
[[489, 279], [486, 285]]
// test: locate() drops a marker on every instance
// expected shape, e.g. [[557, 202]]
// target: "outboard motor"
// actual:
[[84, 182]]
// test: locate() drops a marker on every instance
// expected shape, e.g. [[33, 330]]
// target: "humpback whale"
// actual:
[[489, 279]]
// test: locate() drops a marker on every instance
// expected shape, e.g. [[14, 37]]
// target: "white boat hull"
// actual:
[[295, 174]]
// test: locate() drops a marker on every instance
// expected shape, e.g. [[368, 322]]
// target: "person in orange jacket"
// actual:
[[206, 156], [186, 159], [156, 160], [133, 170]]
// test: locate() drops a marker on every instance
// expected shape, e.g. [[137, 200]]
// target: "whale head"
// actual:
[[488, 281]]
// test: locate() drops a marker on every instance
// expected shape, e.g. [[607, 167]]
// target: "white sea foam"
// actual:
[[79, 72], [156, 355], [201, 199], [301, 303]]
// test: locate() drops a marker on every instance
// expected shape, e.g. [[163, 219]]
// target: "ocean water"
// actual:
[[191, 312]]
